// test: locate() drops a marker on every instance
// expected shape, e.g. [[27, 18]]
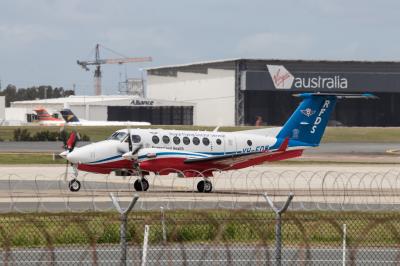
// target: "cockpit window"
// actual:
[[117, 136], [134, 138]]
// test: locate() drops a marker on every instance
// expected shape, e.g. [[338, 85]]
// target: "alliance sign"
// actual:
[[284, 80]]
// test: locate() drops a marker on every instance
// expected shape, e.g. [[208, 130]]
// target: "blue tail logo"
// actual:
[[308, 112]]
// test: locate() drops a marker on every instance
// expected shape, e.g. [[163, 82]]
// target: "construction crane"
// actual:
[[98, 62]]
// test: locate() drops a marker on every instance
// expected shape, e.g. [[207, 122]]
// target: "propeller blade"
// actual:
[[72, 140], [130, 155], [137, 149], [130, 140]]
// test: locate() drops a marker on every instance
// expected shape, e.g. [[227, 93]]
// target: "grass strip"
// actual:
[[28, 158], [377, 229]]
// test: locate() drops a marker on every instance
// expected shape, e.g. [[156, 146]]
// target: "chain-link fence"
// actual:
[[336, 218], [212, 237]]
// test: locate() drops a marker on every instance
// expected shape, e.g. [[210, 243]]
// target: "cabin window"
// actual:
[[206, 141], [176, 140], [136, 138], [155, 139], [186, 140], [218, 141], [249, 143], [196, 141], [165, 139]]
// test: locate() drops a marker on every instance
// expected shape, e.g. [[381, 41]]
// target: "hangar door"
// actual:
[[275, 107], [156, 115]]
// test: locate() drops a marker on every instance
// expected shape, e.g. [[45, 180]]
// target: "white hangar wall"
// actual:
[[2, 107], [213, 93]]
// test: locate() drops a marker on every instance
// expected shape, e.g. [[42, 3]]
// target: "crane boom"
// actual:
[[97, 62], [115, 61]]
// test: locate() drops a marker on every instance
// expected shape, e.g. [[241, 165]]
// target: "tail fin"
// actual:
[[43, 115], [69, 116], [308, 122]]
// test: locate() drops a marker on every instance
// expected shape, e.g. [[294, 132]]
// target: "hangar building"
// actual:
[[110, 108], [236, 91]]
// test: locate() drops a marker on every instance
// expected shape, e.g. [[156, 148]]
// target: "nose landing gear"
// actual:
[[74, 185]]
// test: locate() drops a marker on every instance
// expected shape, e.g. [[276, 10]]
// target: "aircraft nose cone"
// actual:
[[64, 154], [73, 157]]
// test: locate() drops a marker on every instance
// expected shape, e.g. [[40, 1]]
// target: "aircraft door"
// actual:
[[230, 144]]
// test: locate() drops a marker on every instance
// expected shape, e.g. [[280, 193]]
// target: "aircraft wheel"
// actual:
[[141, 185], [204, 186], [74, 185]]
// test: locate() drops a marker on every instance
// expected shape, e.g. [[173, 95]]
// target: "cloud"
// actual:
[[274, 45], [21, 35], [140, 38]]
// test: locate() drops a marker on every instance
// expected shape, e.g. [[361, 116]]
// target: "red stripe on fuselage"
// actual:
[[106, 168], [164, 166]]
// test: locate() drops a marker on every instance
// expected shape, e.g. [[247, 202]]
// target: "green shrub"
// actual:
[[85, 138], [110, 234], [45, 135], [22, 135], [196, 232]]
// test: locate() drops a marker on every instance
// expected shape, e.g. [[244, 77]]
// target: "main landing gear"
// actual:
[[141, 184], [204, 186]]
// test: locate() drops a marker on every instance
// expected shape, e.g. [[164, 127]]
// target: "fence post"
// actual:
[[164, 231], [278, 225], [145, 244], [124, 224], [344, 244]]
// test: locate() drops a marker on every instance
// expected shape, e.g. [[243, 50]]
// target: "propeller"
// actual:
[[130, 155], [69, 145]]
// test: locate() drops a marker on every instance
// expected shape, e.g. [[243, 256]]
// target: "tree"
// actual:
[[32, 93]]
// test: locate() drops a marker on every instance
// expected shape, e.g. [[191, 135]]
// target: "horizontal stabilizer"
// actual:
[[338, 95]]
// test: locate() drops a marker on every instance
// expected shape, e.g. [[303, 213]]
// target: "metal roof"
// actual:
[[227, 60], [95, 100]]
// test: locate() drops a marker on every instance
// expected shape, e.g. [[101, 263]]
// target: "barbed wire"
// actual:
[[239, 189]]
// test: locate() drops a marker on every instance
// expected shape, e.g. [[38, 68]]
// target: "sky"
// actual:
[[40, 40]]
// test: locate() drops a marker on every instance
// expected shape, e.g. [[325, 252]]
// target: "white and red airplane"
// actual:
[[45, 119], [200, 153]]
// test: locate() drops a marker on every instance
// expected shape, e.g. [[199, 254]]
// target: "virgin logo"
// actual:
[[281, 77]]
